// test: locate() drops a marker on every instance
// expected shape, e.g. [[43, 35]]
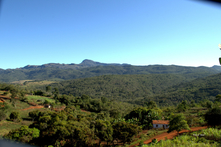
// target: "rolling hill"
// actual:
[[89, 68], [165, 89]]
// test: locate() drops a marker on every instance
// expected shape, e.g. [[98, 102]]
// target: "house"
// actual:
[[160, 124], [47, 106]]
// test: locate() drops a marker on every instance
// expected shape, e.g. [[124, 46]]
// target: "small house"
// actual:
[[160, 124], [47, 106]]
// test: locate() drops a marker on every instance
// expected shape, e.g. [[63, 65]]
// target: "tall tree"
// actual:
[[48, 88], [213, 116], [14, 93], [178, 123], [125, 131], [151, 104], [103, 130]]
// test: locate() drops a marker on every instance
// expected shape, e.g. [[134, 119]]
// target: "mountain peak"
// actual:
[[86, 61]]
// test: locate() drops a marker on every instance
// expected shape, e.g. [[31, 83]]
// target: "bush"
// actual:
[[46, 102], [48, 95], [39, 92], [6, 93], [141, 143], [15, 116], [3, 116], [154, 141]]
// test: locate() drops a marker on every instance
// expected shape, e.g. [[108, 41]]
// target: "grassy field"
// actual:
[[31, 83], [6, 126], [33, 98], [20, 82]]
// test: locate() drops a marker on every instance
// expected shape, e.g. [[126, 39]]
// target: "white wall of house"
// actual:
[[156, 126]]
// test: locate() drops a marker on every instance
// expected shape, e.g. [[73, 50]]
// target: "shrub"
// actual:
[[141, 143], [15, 116], [3, 116], [5, 93], [154, 141], [46, 102]]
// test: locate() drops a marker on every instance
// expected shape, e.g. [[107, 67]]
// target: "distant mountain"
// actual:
[[84, 64], [89, 68], [217, 67]]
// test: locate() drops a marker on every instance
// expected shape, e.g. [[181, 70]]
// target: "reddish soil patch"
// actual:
[[59, 109], [85, 111], [169, 135], [4, 97], [33, 107]]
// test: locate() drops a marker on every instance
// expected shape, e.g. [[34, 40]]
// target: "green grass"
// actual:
[[32, 98], [33, 83], [6, 126], [151, 133], [184, 141]]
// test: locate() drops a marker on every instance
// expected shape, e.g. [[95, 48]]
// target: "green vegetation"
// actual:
[[109, 109], [67, 72], [184, 141], [178, 123], [213, 116], [164, 89], [39, 99]]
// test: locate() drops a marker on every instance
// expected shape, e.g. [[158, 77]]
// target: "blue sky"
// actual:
[[137, 32]]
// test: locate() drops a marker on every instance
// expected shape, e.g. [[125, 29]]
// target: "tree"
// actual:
[[209, 104], [34, 114], [192, 103], [2, 115], [15, 116], [125, 131], [145, 116], [213, 116], [151, 105], [14, 93], [23, 134], [182, 106], [56, 94], [103, 130], [218, 98], [48, 88], [178, 123], [104, 100]]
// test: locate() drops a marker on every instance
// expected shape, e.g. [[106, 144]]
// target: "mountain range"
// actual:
[[89, 68]]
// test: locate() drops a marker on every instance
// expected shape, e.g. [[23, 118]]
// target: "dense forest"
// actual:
[[164, 89]]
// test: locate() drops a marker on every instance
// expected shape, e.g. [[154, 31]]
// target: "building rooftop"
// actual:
[[161, 122]]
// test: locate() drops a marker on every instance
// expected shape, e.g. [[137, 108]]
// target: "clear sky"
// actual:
[[137, 32]]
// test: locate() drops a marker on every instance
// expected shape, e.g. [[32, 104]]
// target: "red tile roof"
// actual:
[[161, 122]]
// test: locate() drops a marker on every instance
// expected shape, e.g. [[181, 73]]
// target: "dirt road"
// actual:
[[33, 107], [169, 135]]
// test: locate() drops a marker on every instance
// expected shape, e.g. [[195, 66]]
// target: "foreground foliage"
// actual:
[[184, 141]]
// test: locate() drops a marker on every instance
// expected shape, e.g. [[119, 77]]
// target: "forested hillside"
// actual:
[[165, 89], [90, 68], [197, 90]]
